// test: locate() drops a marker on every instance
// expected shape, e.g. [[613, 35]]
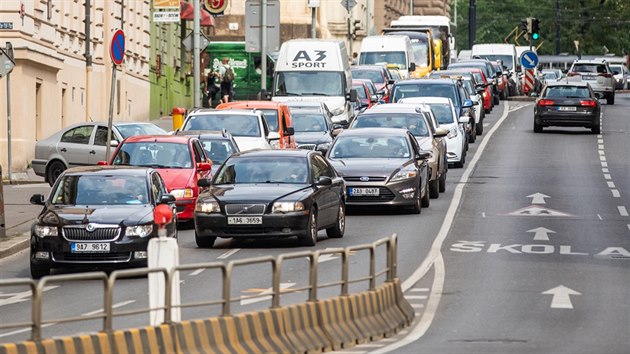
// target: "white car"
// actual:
[[248, 127], [444, 111], [620, 72]]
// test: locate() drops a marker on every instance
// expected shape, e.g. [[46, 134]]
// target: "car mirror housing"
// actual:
[[289, 131], [412, 67], [203, 182], [166, 199], [440, 132], [113, 143], [38, 199], [599, 95], [273, 136], [423, 155], [464, 119], [324, 181], [204, 166], [102, 163], [352, 96], [467, 104]]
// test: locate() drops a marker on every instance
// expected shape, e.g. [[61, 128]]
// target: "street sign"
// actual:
[[253, 25], [188, 42], [313, 3], [117, 47], [6, 63], [6, 25], [348, 4], [166, 16], [529, 59], [528, 83], [215, 7]]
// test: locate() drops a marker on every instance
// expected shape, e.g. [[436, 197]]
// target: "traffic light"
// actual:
[[356, 26], [535, 30], [525, 27]]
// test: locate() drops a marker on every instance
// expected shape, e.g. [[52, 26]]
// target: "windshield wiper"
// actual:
[[315, 94], [289, 94]]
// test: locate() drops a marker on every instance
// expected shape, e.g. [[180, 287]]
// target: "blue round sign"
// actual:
[[117, 47], [529, 59]]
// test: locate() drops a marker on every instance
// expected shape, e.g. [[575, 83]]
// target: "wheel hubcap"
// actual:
[[342, 219], [313, 227]]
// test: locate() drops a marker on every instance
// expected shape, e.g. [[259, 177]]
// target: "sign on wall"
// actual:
[[215, 7]]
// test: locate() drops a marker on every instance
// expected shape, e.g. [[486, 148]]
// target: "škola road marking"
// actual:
[[541, 233]]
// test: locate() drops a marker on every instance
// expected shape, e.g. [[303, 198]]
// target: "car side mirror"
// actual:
[[102, 163], [264, 95], [38, 199], [412, 67], [204, 182], [166, 198], [324, 181], [289, 131], [464, 119], [475, 103], [599, 95], [467, 104], [352, 96], [273, 136], [423, 155], [480, 90], [322, 149], [615, 72], [113, 143], [440, 132], [204, 166], [373, 98], [391, 81]]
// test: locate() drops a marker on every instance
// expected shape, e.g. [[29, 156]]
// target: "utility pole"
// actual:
[[558, 49], [411, 7], [196, 57], [472, 22], [88, 58], [263, 45]]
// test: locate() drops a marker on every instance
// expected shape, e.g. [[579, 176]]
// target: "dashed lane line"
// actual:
[[615, 193], [622, 210]]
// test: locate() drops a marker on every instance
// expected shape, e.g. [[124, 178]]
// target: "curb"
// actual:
[[19, 182], [17, 246]]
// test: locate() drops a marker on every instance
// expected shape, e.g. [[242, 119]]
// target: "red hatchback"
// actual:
[[181, 160]]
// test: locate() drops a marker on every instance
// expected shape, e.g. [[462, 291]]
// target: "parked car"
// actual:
[[219, 145], [597, 74], [314, 130], [271, 193], [249, 127], [277, 116], [382, 167], [568, 104], [82, 144], [180, 160], [98, 216]]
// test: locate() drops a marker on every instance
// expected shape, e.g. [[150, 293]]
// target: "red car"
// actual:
[[480, 77], [181, 160], [366, 100]]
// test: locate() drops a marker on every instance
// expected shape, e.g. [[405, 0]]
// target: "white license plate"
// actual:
[[589, 77], [364, 191], [569, 109], [77, 247], [244, 220]]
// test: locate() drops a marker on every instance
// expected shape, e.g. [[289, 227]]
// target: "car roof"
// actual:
[[374, 131], [394, 107], [213, 112], [250, 104], [109, 170], [275, 153], [568, 83], [428, 81], [181, 139], [589, 61], [214, 134], [367, 67]]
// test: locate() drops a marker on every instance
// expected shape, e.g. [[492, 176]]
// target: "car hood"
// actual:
[[252, 193], [250, 143], [109, 214], [176, 178], [312, 138], [368, 167]]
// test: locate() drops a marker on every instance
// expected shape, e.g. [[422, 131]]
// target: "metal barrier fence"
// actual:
[[108, 314]]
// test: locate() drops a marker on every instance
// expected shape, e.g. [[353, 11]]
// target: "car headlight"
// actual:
[[452, 133], [208, 207], [406, 173], [139, 230], [43, 231], [182, 193], [337, 111], [287, 207]]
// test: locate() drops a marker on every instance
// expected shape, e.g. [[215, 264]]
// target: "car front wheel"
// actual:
[[204, 242], [338, 230], [310, 238]]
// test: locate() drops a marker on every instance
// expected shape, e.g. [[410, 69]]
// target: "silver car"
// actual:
[[382, 166], [82, 144], [598, 74]]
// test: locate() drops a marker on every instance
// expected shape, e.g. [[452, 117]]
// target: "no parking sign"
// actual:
[[117, 47]]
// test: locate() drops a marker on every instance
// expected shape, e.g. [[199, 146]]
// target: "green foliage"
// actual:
[[594, 23]]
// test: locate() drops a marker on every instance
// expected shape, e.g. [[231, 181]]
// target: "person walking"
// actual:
[[227, 77], [212, 87]]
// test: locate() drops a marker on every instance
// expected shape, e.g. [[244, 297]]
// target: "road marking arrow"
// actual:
[[541, 233], [561, 297], [263, 292], [538, 198]]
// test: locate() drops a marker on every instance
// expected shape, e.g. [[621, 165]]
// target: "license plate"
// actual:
[[364, 191], [589, 77], [569, 109], [77, 247], [244, 220]]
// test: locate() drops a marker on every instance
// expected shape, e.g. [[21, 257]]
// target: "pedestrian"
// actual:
[[212, 87], [355, 58], [227, 77]]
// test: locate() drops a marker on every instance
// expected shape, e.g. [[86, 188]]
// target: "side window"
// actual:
[[78, 135], [463, 93], [414, 143], [101, 136], [157, 186], [321, 168], [265, 126], [199, 155]]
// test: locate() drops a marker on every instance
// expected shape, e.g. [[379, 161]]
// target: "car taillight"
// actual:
[[546, 103], [608, 75], [573, 74], [588, 103]]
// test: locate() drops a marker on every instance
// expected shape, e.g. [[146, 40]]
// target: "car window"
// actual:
[[360, 91], [380, 58], [567, 92], [101, 190], [425, 90], [236, 124], [271, 117], [443, 112], [589, 68], [198, 152], [218, 150], [373, 75], [304, 122], [127, 130], [157, 186], [319, 168], [78, 135], [263, 170], [154, 154], [101, 136], [349, 147], [414, 122]]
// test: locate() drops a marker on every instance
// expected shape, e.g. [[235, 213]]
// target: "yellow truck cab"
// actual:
[[422, 48]]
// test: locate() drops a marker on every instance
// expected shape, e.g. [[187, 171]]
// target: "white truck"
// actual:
[[316, 70]]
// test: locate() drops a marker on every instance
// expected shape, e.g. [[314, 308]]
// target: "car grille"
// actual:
[[385, 195], [307, 146], [91, 257], [358, 179], [245, 209], [100, 232]]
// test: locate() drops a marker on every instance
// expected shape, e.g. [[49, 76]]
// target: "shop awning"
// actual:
[[187, 13]]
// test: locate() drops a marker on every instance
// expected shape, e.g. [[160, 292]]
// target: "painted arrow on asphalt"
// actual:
[[541, 233], [263, 292], [538, 198], [561, 297]]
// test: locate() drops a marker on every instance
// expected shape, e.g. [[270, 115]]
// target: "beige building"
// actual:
[[52, 86]]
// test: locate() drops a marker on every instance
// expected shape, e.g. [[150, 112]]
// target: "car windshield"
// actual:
[[154, 154], [101, 190], [414, 122], [616, 68], [372, 147], [505, 59], [243, 170], [589, 68], [304, 122], [218, 150], [567, 92], [127, 130], [421, 52], [236, 124], [374, 75], [443, 112], [550, 76], [320, 83], [360, 92], [425, 90], [382, 58], [271, 117]]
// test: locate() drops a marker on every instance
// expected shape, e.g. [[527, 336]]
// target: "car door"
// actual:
[[158, 188], [99, 146], [74, 145], [201, 156], [325, 197]]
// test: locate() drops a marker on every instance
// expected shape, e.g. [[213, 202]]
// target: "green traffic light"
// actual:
[[535, 36]]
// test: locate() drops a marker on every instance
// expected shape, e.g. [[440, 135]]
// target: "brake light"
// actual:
[[573, 74], [588, 103], [546, 103], [608, 75]]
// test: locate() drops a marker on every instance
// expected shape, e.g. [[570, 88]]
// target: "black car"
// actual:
[[567, 104], [98, 216], [271, 193], [219, 145], [314, 130]]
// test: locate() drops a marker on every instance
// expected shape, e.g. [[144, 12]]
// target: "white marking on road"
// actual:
[[14, 298], [538, 198], [611, 184], [602, 158], [197, 272], [29, 186], [420, 290], [115, 306], [561, 297], [600, 141], [228, 253], [537, 210], [417, 306], [604, 164], [615, 193], [605, 170], [415, 297], [368, 345], [264, 292], [601, 146], [326, 257], [24, 330], [600, 136], [601, 152], [599, 217], [483, 214], [628, 226], [541, 233], [607, 176], [622, 210]]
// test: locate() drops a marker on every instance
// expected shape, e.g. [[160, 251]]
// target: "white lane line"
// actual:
[[415, 297], [417, 306], [605, 170], [115, 306], [610, 184], [602, 158], [615, 193], [391, 339], [600, 141], [483, 214], [600, 136], [368, 345], [601, 146], [24, 330], [601, 152], [604, 164], [228, 253], [197, 272], [422, 290], [622, 210], [607, 176], [599, 217], [628, 226]]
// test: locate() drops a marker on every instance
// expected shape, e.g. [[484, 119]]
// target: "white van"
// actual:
[[499, 51], [382, 50], [315, 70]]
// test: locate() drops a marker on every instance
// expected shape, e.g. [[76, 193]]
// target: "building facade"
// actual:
[[53, 84]]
